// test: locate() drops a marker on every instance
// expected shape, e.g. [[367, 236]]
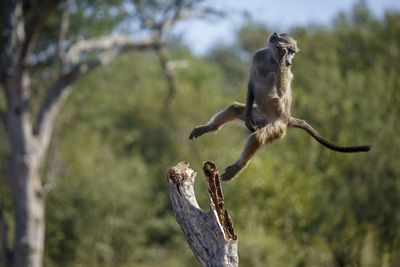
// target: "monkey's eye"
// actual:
[[290, 51]]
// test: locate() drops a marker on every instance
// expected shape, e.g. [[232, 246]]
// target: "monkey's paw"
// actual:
[[198, 131], [231, 172], [250, 124]]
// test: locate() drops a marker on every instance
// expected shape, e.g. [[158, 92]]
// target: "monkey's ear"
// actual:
[[273, 37], [297, 49]]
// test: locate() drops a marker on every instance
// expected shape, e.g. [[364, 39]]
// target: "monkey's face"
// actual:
[[289, 56], [283, 53], [283, 47]]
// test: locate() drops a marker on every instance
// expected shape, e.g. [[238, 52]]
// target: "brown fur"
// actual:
[[270, 86]]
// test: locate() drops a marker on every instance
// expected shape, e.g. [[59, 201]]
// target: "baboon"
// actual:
[[269, 85]]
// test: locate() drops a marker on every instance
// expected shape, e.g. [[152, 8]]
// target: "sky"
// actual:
[[277, 15]]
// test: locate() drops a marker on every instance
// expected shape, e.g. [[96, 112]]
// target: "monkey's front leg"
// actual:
[[252, 145], [250, 124]]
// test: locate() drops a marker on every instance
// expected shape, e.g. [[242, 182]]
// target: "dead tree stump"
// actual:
[[210, 235]]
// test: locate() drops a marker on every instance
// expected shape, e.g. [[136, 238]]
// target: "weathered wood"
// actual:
[[210, 235]]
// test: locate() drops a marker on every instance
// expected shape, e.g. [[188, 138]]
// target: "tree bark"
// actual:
[[24, 170], [29, 211], [210, 235], [24, 164]]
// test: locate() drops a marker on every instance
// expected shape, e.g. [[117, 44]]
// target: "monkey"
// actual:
[[269, 86]]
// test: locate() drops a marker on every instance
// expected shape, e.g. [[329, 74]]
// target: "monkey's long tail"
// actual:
[[297, 123]]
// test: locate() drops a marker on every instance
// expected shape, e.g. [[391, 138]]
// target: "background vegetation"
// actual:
[[297, 204]]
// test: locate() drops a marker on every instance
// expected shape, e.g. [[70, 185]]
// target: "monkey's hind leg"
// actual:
[[234, 111], [250, 148], [267, 134]]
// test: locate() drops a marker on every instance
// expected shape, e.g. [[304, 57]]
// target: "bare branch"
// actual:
[[59, 92], [63, 29], [169, 73], [181, 14], [215, 190], [165, 16], [210, 235], [106, 43], [53, 100], [33, 34], [14, 36], [54, 167]]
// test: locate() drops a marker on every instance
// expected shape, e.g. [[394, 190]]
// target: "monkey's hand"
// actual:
[[282, 52], [250, 124], [198, 131]]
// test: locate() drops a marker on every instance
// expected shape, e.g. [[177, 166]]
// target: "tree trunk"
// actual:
[[29, 213], [24, 170], [210, 235], [28, 144]]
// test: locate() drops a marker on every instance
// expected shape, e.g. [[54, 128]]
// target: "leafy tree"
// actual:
[[33, 47]]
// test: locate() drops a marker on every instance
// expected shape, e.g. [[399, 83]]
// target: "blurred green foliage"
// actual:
[[297, 204]]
